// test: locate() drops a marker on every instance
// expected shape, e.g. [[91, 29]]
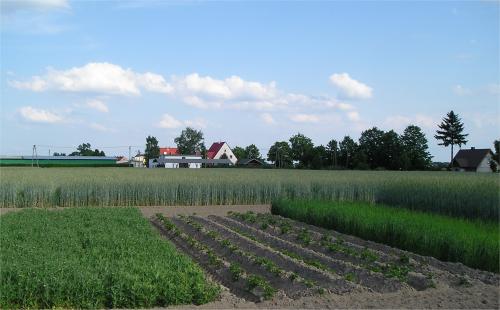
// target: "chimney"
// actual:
[[472, 148]]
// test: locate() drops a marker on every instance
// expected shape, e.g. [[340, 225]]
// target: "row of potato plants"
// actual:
[[253, 281]]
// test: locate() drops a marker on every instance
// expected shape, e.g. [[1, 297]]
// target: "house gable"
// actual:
[[218, 149]]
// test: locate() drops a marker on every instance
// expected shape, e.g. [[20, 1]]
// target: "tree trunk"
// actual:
[[451, 161]]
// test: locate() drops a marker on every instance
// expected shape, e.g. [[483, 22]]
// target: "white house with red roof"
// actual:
[[221, 150]]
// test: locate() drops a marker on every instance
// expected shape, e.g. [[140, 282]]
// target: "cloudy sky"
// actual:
[[111, 73]]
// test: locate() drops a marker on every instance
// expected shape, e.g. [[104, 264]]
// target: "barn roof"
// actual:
[[246, 161], [214, 149], [470, 158], [168, 151]]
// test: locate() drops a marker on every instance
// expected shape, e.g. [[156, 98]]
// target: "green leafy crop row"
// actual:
[[93, 258]]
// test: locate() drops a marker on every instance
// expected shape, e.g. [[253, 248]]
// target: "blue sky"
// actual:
[[111, 73]]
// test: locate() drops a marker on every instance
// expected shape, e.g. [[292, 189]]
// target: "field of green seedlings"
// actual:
[[467, 195], [93, 258], [473, 243]]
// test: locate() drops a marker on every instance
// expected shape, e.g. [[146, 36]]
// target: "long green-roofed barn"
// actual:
[[59, 161]]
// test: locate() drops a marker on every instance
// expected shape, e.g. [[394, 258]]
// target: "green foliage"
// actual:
[[236, 271], [190, 141], [239, 152], [473, 243], [93, 258], [254, 281], [416, 155], [460, 195], [450, 132], [280, 154], [252, 151], [152, 149], [301, 147], [84, 149]]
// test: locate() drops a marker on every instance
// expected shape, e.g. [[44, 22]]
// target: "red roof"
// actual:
[[168, 151], [214, 149]]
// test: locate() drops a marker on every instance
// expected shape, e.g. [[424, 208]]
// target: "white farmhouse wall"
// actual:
[[191, 165], [484, 166], [225, 149]]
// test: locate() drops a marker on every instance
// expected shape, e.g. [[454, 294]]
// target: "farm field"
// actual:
[[462, 195], [472, 242], [93, 258], [277, 262]]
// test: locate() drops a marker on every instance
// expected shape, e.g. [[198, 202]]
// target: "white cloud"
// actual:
[[267, 118], [459, 90], [168, 121], [96, 77], [353, 116], [97, 105], [39, 116], [12, 6], [36, 84], [304, 118], [349, 87]]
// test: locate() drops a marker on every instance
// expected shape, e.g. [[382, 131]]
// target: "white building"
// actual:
[[181, 161], [476, 160], [221, 150]]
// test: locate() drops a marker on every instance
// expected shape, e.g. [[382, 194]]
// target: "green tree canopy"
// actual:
[[85, 149], [152, 149], [450, 132], [281, 154], [301, 147], [252, 151], [239, 152], [190, 142], [415, 149], [371, 143], [347, 150], [332, 148]]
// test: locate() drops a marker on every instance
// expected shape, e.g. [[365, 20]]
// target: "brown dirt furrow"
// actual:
[[419, 277], [454, 270], [221, 274], [374, 281], [315, 244], [334, 285], [291, 289]]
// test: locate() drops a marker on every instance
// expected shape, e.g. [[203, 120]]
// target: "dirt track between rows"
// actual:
[[149, 211]]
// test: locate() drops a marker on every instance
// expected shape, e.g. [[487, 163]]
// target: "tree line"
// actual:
[[374, 149]]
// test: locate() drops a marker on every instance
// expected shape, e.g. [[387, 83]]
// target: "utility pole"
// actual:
[[129, 155], [34, 155]]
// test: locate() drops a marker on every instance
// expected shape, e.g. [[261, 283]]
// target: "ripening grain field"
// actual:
[[466, 195]]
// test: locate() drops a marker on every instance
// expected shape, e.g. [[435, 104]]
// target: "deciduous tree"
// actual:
[[190, 141]]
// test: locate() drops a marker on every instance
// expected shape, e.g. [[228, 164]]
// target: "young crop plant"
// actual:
[[350, 277], [304, 236], [75, 245], [236, 271], [254, 281]]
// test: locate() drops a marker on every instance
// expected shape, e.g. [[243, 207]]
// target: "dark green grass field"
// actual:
[[471, 242], [93, 258]]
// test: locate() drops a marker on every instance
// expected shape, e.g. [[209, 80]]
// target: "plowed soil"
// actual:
[[311, 267]]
